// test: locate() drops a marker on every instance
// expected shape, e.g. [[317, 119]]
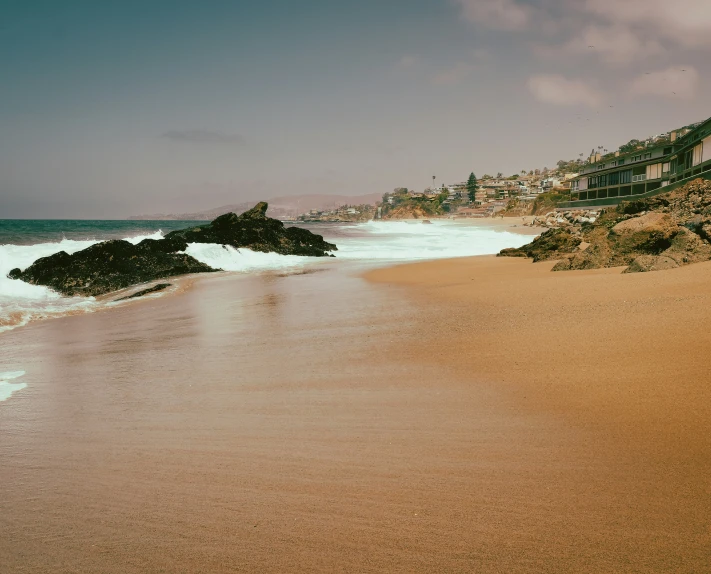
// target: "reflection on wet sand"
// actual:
[[280, 424]]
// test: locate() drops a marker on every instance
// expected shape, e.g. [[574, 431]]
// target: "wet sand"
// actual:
[[441, 417]]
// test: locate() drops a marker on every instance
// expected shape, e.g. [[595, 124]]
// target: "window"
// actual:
[[602, 181], [620, 162], [592, 182], [647, 156], [636, 158], [654, 171], [697, 154], [614, 178], [688, 158], [667, 150], [626, 176]]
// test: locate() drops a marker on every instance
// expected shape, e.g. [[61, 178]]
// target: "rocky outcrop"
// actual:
[[117, 264], [661, 232], [254, 230], [649, 233], [410, 212], [551, 244], [110, 266], [645, 263]]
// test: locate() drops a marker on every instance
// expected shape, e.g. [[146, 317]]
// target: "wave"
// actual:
[[21, 302], [413, 240], [228, 258], [6, 387], [374, 241]]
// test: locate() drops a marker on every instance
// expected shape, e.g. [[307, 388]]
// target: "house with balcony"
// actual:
[[685, 155]]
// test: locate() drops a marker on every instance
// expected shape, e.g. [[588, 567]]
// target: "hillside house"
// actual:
[[685, 155]]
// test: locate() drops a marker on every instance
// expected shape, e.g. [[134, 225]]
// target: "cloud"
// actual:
[[672, 83], [204, 137], [685, 22], [560, 91], [499, 14], [615, 44]]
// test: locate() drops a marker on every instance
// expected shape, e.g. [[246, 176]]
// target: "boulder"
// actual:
[[551, 244], [687, 247], [650, 233], [645, 263], [598, 253]]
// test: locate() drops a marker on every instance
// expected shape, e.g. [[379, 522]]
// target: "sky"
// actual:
[[115, 108]]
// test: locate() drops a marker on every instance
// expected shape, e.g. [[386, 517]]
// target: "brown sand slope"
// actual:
[[312, 423], [624, 357]]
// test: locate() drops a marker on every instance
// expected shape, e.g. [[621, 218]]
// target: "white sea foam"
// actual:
[[413, 240], [375, 241], [21, 302], [7, 388], [228, 258]]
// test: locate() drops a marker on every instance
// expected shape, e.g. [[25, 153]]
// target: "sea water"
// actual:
[[22, 242]]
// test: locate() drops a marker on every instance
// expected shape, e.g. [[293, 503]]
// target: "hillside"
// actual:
[[279, 207]]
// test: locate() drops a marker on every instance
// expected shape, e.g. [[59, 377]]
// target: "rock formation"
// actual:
[[656, 233], [117, 264], [552, 244], [254, 230], [110, 266]]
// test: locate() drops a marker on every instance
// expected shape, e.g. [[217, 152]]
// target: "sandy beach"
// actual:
[[468, 415]]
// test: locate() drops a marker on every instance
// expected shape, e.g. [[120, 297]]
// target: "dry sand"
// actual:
[[474, 415], [623, 358]]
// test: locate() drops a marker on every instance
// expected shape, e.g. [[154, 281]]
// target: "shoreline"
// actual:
[[181, 283]]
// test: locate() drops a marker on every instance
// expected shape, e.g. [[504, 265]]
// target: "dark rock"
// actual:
[[109, 266], [550, 244], [143, 292], [254, 230], [117, 264]]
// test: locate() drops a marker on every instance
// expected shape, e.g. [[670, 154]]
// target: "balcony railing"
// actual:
[[637, 178]]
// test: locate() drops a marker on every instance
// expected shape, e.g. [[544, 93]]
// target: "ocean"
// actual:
[[360, 245]]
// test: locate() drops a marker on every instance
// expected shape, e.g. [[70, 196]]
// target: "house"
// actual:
[[684, 156], [549, 183]]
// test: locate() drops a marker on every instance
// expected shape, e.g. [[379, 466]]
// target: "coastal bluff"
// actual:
[[661, 232], [117, 264]]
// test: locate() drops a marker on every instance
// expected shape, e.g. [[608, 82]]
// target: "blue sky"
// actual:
[[113, 108]]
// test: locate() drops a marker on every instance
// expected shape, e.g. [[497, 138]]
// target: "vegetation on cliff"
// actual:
[[543, 203], [402, 205]]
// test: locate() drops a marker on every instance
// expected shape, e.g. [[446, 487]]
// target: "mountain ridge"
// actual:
[[279, 207]]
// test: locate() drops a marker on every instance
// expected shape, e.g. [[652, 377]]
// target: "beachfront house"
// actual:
[[680, 157]]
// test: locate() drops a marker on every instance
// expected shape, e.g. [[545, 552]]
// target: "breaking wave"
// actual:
[[372, 243]]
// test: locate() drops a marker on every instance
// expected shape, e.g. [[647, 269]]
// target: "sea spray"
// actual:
[[21, 302], [371, 243]]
